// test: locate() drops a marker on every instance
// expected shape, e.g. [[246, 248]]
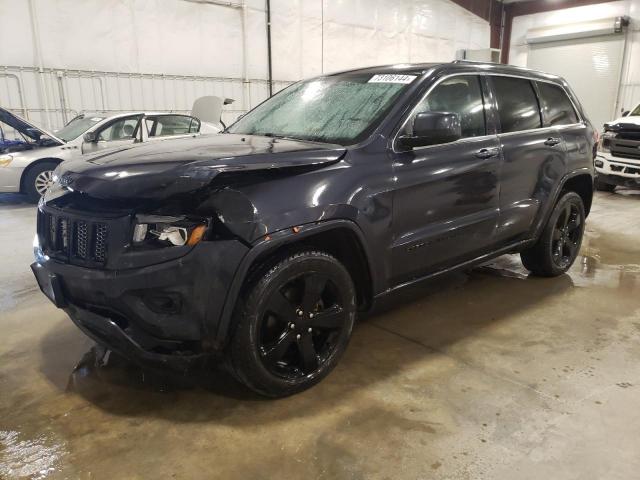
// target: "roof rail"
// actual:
[[473, 61]]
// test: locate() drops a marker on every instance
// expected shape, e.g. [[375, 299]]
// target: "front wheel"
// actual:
[[558, 246], [604, 187], [37, 179], [293, 324]]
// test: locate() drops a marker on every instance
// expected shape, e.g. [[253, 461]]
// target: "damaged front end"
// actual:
[[147, 286], [618, 160], [141, 255]]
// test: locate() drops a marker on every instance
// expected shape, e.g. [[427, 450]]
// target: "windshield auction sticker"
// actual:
[[392, 78]]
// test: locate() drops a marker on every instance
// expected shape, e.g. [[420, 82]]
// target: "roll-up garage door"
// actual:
[[591, 65]]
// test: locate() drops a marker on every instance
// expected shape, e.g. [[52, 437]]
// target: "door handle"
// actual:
[[487, 152], [552, 141]]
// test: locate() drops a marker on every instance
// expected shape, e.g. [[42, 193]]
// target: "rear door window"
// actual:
[[557, 109], [169, 125], [518, 107]]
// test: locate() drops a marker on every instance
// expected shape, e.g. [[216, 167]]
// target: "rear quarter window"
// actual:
[[518, 107], [557, 109]]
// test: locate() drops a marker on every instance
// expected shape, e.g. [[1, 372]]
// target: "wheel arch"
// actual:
[[579, 181], [582, 184], [341, 238], [33, 164]]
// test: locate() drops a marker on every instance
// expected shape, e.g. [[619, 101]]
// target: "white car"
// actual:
[[618, 158], [28, 154]]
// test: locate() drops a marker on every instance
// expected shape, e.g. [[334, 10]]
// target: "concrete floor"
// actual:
[[487, 374]]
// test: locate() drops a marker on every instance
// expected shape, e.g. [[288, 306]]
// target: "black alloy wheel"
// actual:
[[292, 323], [559, 243], [300, 326], [567, 235]]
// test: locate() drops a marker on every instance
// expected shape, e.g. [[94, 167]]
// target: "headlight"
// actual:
[[604, 143], [167, 231], [5, 160]]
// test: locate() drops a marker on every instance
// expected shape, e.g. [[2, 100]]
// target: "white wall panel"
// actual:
[[630, 91], [16, 42], [155, 36], [162, 54]]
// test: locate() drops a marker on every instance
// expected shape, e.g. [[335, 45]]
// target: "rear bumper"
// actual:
[[164, 315]]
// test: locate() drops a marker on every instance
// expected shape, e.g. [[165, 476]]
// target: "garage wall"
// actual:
[[629, 88], [59, 57]]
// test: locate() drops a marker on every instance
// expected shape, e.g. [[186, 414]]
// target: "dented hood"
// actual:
[[630, 122], [162, 169]]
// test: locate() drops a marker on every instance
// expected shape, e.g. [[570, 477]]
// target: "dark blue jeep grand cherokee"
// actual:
[[261, 244]]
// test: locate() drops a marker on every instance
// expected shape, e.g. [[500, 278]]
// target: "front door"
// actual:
[[119, 132], [445, 208]]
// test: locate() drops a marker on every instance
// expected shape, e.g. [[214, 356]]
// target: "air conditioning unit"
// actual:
[[480, 55]]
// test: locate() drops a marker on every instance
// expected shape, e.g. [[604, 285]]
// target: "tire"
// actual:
[[288, 336], [36, 178], [560, 241], [604, 187]]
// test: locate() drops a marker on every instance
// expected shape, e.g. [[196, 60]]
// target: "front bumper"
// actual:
[[618, 171], [160, 315], [619, 180], [10, 179]]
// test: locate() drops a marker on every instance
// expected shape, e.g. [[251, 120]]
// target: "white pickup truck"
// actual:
[[618, 158]]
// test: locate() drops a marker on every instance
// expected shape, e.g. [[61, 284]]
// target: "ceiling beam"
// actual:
[[481, 8]]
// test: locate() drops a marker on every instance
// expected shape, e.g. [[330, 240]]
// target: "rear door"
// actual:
[[534, 157], [559, 113], [445, 207], [171, 126]]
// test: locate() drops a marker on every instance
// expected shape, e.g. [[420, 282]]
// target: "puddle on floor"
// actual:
[[35, 458]]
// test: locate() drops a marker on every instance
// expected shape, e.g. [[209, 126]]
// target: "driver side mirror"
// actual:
[[431, 128], [626, 113], [90, 137]]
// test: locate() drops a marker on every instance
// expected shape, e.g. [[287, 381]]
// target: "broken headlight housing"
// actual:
[[168, 231], [604, 143]]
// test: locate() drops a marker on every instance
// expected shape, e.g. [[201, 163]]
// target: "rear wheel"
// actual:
[[604, 187], [293, 324], [37, 179], [558, 246]]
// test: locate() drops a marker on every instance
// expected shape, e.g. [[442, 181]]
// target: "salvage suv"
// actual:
[[618, 160], [260, 245]]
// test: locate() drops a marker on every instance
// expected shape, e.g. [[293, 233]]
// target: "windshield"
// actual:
[[636, 111], [340, 109], [77, 127]]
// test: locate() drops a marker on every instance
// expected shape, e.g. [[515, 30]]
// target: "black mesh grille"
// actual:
[[81, 239], [100, 243], [67, 238]]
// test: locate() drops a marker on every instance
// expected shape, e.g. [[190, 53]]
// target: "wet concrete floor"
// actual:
[[486, 374]]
